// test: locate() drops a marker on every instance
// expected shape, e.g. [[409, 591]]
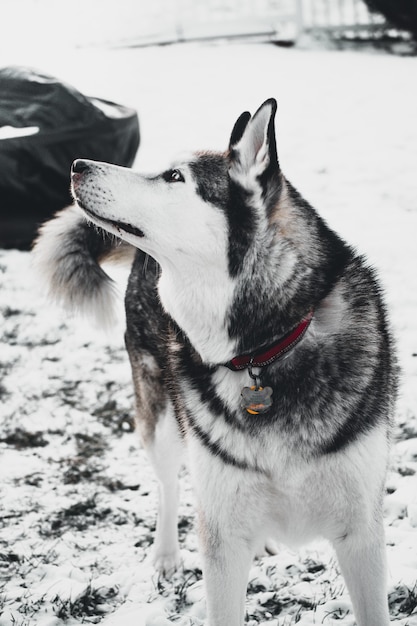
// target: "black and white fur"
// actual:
[[237, 259]]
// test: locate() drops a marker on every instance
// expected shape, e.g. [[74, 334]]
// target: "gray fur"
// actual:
[[67, 254], [315, 462]]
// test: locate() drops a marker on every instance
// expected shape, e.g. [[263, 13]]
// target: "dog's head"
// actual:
[[207, 209]]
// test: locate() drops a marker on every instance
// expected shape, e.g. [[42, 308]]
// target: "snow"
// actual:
[[7, 132], [78, 498]]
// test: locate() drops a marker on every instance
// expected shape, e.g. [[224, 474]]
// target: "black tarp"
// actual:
[[401, 14], [35, 167]]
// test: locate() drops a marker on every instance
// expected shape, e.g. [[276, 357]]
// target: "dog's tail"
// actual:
[[67, 256]]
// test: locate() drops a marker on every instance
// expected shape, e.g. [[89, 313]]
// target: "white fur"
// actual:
[[165, 451], [283, 494], [253, 148], [187, 236], [100, 306], [199, 307], [297, 502], [329, 317], [252, 159]]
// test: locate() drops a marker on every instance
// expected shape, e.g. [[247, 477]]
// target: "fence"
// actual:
[[165, 21], [144, 22], [349, 19], [276, 20]]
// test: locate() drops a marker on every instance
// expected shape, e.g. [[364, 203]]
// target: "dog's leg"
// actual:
[[362, 561], [227, 557], [165, 453], [230, 520], [158, 430]]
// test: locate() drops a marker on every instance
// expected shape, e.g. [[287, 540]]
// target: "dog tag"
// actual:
[[256, 400]]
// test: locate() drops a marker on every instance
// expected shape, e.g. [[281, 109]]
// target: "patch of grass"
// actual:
[[266, 610], [177, 587], [84, 466], [4, 393], [406, 429], [78, 517], [185, 525], [89, 607], [20, 622], [118, 421], [90, 445], [115, 484], [313, 567], [9, 564], [9, 557], [79, 471], [404, 601], [34, 480], [29, 608], [405, 470], [22, 439], [68, 392], [7, 311]]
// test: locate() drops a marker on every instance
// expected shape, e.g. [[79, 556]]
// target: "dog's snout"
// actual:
[[79, 166]]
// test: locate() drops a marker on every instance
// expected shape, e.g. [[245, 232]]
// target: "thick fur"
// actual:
[[237, 259], [73, 279]]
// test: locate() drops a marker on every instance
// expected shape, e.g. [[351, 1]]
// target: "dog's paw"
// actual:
[[166, 563]]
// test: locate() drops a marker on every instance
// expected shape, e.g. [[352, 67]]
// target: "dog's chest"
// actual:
[[228, 386], [212, 405]]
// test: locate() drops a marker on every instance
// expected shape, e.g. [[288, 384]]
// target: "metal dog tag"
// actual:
[[256, 400]]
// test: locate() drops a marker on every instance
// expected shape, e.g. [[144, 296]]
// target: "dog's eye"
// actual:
[[173, 176]]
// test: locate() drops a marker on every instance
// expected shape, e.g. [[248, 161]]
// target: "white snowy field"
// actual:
[[77, 497]]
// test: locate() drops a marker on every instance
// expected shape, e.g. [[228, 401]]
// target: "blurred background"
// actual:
[[105, 49], [138, 22]]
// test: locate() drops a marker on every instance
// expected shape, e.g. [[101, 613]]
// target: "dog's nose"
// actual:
[[79, 166]]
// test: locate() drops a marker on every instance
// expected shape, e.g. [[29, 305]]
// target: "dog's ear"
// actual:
[[239, 128], [253, 152]]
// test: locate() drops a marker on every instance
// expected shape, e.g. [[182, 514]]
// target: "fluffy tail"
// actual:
[[67, 255]]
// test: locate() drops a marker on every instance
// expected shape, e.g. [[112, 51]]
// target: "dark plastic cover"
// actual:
[[56, 124]]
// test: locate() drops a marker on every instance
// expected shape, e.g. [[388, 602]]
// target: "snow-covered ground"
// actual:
[[77, 497]]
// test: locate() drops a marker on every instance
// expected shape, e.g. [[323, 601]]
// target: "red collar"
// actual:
[[281, 347]]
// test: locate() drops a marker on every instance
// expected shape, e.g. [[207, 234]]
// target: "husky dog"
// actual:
[[258, 338]]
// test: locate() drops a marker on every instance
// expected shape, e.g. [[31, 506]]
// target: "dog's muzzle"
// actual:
[[79, 166]]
